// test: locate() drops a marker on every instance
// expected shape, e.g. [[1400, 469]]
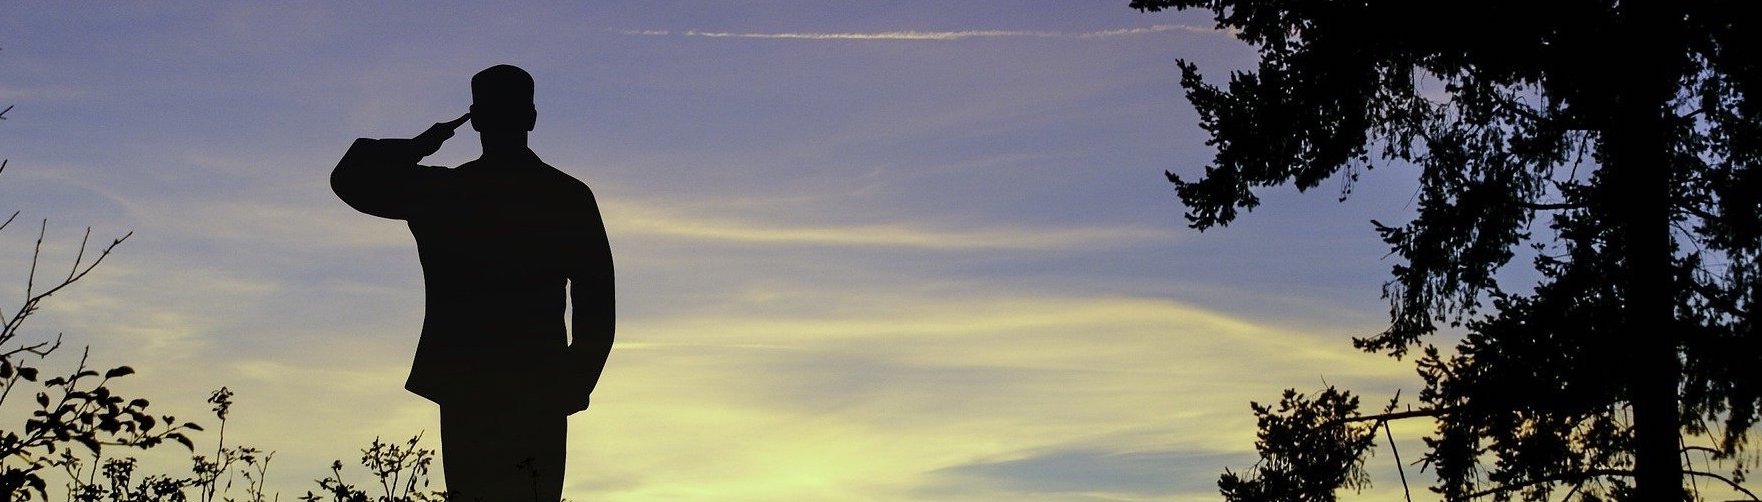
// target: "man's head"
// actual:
[[501, 100]]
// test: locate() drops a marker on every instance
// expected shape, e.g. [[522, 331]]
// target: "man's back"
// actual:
[[499, 239], [496, 256]]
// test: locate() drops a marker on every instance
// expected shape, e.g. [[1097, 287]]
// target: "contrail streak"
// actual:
[[925, 35]]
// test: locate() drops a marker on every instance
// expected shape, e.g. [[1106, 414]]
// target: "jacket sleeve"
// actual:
[[380, 177], [591, 292]]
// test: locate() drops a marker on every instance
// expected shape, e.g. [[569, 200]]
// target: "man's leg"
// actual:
[[496, 454]]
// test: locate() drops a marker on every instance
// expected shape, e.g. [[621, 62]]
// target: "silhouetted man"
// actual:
[[499, 237]]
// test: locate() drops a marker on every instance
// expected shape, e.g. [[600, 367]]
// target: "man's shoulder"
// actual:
[[567, 182]]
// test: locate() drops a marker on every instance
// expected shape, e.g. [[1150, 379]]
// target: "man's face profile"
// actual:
[[501, 99]]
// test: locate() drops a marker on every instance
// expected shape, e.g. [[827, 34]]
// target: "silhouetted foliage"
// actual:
[[78, 410], [1302, 451], [78, 415], [400, 469], [1614, 140], [117, 483]]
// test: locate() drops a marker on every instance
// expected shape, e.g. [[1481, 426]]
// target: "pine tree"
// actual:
[[1615, 139]]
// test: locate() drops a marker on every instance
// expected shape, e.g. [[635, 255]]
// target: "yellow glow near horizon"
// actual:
[[879, 267]]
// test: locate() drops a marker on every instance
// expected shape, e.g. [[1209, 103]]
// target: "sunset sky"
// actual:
[[865, 252]]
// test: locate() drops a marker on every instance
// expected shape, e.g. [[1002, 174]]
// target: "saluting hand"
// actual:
[[430, 140]]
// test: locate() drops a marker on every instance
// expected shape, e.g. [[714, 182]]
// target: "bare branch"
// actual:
[[1728, 482], [1716, 452], [1573, 476], [81, 255], [1594, 473], [1553, 206], [33, 298], [1698, 213], [1400, 415], [36, 349], [100, 259], [1390, 433], [36, 252]]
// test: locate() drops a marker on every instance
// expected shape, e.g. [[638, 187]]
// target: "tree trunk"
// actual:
[[1638, 145], [1651, 338]]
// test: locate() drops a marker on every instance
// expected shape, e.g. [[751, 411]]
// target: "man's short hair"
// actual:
[[502, 86]]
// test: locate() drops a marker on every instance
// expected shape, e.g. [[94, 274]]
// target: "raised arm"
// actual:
[[591, 292], [380, 176]]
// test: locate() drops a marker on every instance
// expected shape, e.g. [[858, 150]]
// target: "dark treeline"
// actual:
[[1613, 141]]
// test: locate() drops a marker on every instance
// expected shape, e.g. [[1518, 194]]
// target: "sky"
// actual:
[[865, 251]]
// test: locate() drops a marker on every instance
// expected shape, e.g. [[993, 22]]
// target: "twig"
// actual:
[[1728, 482], [36, 349], [36, 252], [1549, 479], [32, 298], [1716, 453], [1689, 460], [1387, 432], [1424, 412], [1576, 487], [1535, 206], [79, 256]]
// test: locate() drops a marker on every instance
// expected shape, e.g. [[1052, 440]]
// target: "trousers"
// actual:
[[503, 453]]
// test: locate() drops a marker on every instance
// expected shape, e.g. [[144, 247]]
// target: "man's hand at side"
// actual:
[[574, 402], [571, 392]]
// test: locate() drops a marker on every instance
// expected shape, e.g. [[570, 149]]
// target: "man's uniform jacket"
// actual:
[[497, 243]]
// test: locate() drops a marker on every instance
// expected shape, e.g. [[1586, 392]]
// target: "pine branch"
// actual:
[[1399, 415], [1728, 482], [1572, 476]]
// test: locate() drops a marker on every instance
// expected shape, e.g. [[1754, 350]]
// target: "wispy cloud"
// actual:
[[639, 219], [1083, 473], [960, 397], [923, 35], [40, 93]]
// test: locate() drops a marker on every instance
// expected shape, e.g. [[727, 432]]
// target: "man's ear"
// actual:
[[474, 119], [531, 119]]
